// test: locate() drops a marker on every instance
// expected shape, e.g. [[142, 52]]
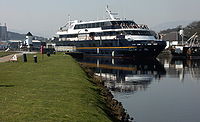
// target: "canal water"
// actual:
[[152, 90]]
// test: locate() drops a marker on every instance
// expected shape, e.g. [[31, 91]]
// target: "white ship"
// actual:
[[111, 37]]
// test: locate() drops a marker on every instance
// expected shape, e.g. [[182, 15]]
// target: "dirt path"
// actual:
[[7, 58]]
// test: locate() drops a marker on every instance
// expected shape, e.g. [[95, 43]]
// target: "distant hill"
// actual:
[[192, 28], [172, 24], [169, 30], [18, 36], [189, 30]]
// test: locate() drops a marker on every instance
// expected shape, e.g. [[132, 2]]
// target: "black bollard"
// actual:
[[48, 54], [35, 58], [24, 58]]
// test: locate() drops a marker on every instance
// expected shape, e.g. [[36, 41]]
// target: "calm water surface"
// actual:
[[163, 90]]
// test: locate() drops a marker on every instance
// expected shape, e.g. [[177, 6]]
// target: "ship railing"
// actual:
[[124, 26], [142, 26]]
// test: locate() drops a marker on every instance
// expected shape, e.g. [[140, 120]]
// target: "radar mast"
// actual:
[[111, 14]]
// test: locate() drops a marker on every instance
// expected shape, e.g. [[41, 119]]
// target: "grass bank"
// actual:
[[54, 89]]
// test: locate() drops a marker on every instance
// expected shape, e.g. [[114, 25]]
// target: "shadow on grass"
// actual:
[[7, 85]]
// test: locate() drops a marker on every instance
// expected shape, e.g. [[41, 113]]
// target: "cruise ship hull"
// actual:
[[117, 47]]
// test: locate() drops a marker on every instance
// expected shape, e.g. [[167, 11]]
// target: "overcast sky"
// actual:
[[44, 17]]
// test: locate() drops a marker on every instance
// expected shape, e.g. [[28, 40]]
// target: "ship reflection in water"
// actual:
[[125, 74], [178, 68], [163, 90]]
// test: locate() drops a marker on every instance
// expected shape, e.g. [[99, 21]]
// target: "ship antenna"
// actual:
[[110, 13], [69, 19]]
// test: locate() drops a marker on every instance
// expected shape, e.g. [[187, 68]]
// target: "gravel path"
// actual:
[[7, 58]]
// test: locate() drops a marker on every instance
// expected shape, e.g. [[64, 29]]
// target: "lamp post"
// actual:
[[181, 32]]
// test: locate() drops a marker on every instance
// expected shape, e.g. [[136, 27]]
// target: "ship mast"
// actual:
[[111, 14]]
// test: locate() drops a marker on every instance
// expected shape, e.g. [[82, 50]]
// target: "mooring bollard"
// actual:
[[35, 58], [24, 58], [48, 54]]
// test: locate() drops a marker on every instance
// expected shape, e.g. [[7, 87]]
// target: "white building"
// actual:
[[29, 38], [16, 44]]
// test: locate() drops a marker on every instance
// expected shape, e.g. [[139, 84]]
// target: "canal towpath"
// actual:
[[8, 57]]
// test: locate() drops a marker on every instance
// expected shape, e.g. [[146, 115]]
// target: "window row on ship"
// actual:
[[110, 33], [106, 25]]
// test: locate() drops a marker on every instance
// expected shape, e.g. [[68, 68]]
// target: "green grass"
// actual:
[[2, 54], [55, 89]]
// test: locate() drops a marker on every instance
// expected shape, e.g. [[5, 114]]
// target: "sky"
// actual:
[[44, 17]]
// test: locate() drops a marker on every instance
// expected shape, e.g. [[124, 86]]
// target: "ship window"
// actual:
[[68, 36], [100, 24], [107, 23], [89, 25], [93, 25], [133, 32], [112, 24], [106, 33], [83, 26], [77, 27]]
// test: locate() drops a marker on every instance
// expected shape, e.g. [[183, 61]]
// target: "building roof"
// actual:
[[29, 34], [17, 41], [14, 41], [172, 36]]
